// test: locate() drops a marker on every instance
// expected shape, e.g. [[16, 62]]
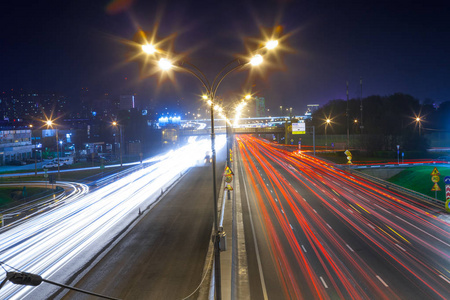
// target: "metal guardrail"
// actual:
[[392, 186]]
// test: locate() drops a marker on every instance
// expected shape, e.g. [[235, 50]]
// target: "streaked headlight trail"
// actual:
[[45, 243]]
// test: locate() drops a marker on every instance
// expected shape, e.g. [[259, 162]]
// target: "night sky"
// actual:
[[396, 46]]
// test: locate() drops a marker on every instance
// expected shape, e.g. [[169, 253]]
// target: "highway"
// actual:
[[316, 232], [60, 242]]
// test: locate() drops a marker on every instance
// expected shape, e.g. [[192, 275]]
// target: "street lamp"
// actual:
[[419, 122], [50, 123], [328, 121], [120, 139], [211, 88], [35, 146]]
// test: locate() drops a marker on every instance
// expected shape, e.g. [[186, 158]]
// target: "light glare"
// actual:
[[256, 60], [271, 44], [149, 49], [165, 64]]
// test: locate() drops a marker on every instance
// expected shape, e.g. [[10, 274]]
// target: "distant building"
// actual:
[[260, 107], [19, 105], [126, 102], [15, 145]]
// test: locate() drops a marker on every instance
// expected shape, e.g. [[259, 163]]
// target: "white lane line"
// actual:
[[383, 209], [350, 210], [276, 199], [400, 247], [371, 226], [304, 199], [328, 225], [304, 248], [349, 248], [314, 210], [291, 227], [282, 211], [258, 258], [424, 231], [444, 279], [379, 278], [335, 199], [323, 282]]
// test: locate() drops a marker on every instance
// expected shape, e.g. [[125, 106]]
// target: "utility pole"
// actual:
[[348, 130]]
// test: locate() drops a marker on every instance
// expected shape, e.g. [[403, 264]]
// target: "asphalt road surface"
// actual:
[[316, 232]]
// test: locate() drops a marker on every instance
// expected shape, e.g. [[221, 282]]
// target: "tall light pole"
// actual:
[[326, 138], [165, 64], [120, 140], [35, 156], [419, 122], [50, 124]]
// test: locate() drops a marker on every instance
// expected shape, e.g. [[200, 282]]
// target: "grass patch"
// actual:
[[11, 194], [418, 179]]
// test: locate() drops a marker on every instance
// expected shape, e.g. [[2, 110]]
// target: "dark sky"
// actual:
[[396, 46]]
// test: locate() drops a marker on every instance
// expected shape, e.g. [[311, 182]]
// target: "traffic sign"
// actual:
[[447, 205], [447, 179], [435, 172], [228, 171], [447, 191], [435, 178], [228, 178], [435, 188]]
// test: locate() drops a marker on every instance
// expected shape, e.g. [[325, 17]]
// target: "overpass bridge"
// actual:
[[238, 130]]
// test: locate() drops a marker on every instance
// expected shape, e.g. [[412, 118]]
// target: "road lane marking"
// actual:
[[379, 278], [258, 258], [291, 227], [349, 248], [444, 278], [304, 248], [371, 226], [314, 210], [400, 247], [423, 231], [323, 282], [282, 211], [328, 225]]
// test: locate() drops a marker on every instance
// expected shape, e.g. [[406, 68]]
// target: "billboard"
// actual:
[[298, 128]]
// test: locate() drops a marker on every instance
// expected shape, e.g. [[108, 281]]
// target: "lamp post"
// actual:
[[50, 124], [35, 156], [120, 140], [419, 122], [211, 88], [326, 138]]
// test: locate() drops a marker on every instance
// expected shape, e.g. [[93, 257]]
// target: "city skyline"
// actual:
[[394, 47]]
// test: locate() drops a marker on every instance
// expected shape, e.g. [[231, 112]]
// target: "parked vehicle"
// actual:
[[63, 161], [51, 164]]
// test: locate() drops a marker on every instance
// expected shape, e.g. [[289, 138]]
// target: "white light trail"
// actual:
[[45, 243]]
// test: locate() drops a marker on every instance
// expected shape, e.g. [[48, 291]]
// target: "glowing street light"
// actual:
[[272, 44], [148, 48], [256, 60], [164, 64]]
